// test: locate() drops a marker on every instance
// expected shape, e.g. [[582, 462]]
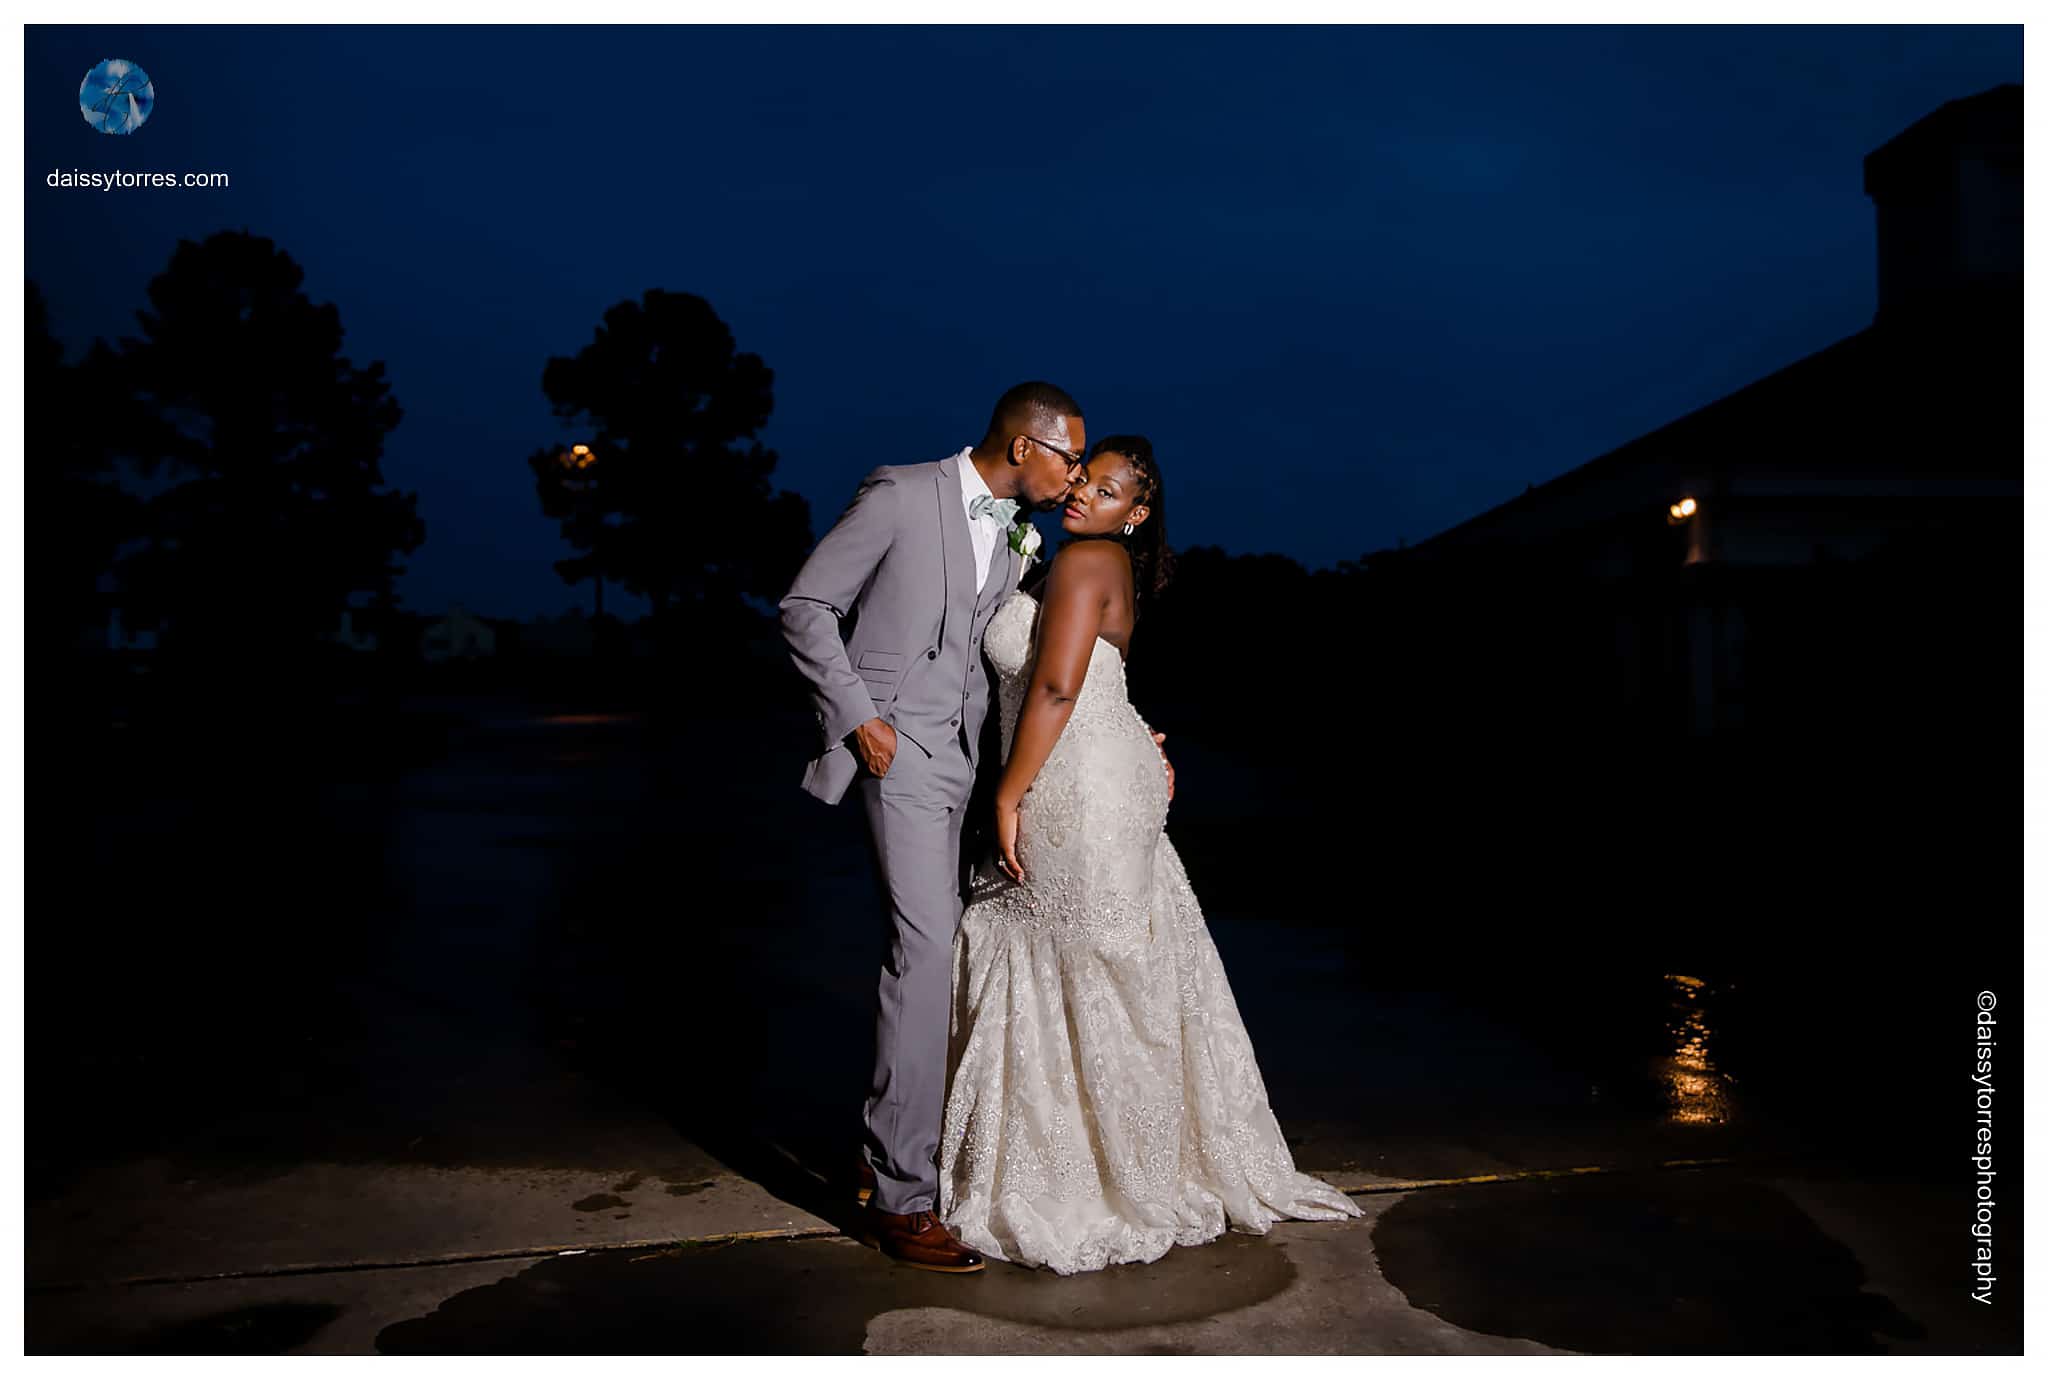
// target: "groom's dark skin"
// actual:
[[1016, 460]]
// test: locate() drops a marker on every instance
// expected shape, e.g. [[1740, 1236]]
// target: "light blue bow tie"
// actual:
[[1005, 509]]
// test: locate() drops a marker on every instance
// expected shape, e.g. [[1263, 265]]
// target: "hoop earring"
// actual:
[[1129, 528]]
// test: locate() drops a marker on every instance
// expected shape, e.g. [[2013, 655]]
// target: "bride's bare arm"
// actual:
[[1077, 592]]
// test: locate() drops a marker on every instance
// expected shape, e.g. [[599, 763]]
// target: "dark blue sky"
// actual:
[[1357, 284]]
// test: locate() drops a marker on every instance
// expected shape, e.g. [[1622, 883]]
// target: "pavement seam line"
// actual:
[[769, 1234], [1514, 1175]]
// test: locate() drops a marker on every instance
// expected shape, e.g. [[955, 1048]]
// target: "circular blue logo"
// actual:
[[116, 97]]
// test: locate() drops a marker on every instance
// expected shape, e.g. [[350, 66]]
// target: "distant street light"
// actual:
[[1681, 510], [577, 459]]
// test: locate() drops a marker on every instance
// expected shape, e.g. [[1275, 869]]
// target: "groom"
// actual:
[[921, 557]]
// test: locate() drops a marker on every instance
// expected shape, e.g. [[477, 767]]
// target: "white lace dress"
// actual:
[[1102, 1101]]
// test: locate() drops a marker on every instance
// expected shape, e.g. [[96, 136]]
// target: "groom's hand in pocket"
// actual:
[[874, 742]]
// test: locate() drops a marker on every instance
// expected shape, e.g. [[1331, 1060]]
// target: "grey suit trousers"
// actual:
[[914, 816], [900, 559]]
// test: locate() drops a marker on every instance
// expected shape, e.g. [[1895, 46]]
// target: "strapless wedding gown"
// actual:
[[1102, 1101]]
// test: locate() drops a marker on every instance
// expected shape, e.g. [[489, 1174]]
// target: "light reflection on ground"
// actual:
[[1695, 1090]]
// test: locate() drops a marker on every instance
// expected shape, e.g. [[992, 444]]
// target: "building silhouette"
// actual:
[[1820, 551]]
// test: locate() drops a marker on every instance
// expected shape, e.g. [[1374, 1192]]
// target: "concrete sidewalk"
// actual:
[[1720, 1259]]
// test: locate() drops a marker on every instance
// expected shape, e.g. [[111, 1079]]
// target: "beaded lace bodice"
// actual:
[[1010, 640], [1090, 821], [1103, 1102]]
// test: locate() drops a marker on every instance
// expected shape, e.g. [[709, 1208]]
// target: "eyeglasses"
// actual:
[[1072, 457]]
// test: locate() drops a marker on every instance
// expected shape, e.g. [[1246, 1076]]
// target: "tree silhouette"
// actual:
[[672, 498], [278, 516], [82, 514]]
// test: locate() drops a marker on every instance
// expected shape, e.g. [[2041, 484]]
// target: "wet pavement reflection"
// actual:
[[1663, 1263], [815, 1297], [1698, 1091]]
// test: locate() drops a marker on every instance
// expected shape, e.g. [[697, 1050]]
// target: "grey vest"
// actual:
[[901, 559]]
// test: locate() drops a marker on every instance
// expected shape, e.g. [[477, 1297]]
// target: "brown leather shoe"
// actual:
[[865, 1184], [919, 1239]]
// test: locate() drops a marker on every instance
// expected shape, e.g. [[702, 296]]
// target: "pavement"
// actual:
[[562, 1055]]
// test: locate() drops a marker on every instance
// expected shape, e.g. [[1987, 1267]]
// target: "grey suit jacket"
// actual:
[[901, 560]]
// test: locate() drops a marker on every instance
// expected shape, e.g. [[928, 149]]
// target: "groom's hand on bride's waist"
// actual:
[[1160, 739], [874, 742]]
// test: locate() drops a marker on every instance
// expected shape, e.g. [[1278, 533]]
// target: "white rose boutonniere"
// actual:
[[1025, 539]]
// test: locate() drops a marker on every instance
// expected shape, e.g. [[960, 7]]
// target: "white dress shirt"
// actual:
[[985, 529]]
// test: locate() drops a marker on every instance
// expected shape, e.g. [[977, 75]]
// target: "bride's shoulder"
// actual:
[[1089, 559], [1088, 567]]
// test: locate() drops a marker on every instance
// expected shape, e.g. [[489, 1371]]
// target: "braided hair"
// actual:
[[1151, 558]]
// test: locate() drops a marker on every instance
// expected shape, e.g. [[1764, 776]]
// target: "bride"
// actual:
[[1103, 1103]]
